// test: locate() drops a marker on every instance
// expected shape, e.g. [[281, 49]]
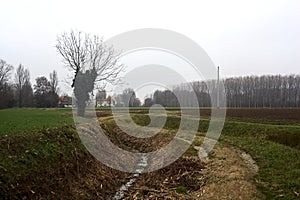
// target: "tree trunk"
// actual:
[[81, 107]]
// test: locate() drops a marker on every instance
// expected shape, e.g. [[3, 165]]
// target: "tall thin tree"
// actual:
[[22, 78]]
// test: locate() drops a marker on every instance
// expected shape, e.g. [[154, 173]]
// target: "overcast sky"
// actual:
[[242, 37]]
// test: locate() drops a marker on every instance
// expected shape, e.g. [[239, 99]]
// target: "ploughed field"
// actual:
[[42, 157]]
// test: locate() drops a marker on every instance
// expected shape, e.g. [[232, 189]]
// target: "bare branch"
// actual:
[[89, 53], [5, 71]]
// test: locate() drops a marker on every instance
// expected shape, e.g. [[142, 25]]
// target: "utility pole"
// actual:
[[218, 87]]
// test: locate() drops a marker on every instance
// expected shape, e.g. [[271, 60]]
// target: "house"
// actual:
[[107, 102], [65, 102], [102, 100]]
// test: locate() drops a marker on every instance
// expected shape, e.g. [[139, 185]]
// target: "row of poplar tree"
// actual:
[[248, 91]]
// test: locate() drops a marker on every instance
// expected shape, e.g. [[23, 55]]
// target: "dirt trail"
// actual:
[[230, 175]]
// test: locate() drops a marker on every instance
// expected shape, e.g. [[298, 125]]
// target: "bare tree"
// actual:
[[6, 90], [22, 82], [5, 71], [128, 96], [54, 82], [90, 60], [27, 94]]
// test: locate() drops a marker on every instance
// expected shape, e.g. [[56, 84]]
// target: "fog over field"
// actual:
[[243, 37]]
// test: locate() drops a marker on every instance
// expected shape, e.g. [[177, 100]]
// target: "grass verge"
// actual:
[[53, 164], [279, 166]]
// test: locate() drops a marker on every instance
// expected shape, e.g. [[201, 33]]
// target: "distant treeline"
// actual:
[[248, 91], [18, 91]]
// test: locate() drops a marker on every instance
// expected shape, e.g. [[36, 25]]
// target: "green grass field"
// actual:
[[27, 119], [31, 143]]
